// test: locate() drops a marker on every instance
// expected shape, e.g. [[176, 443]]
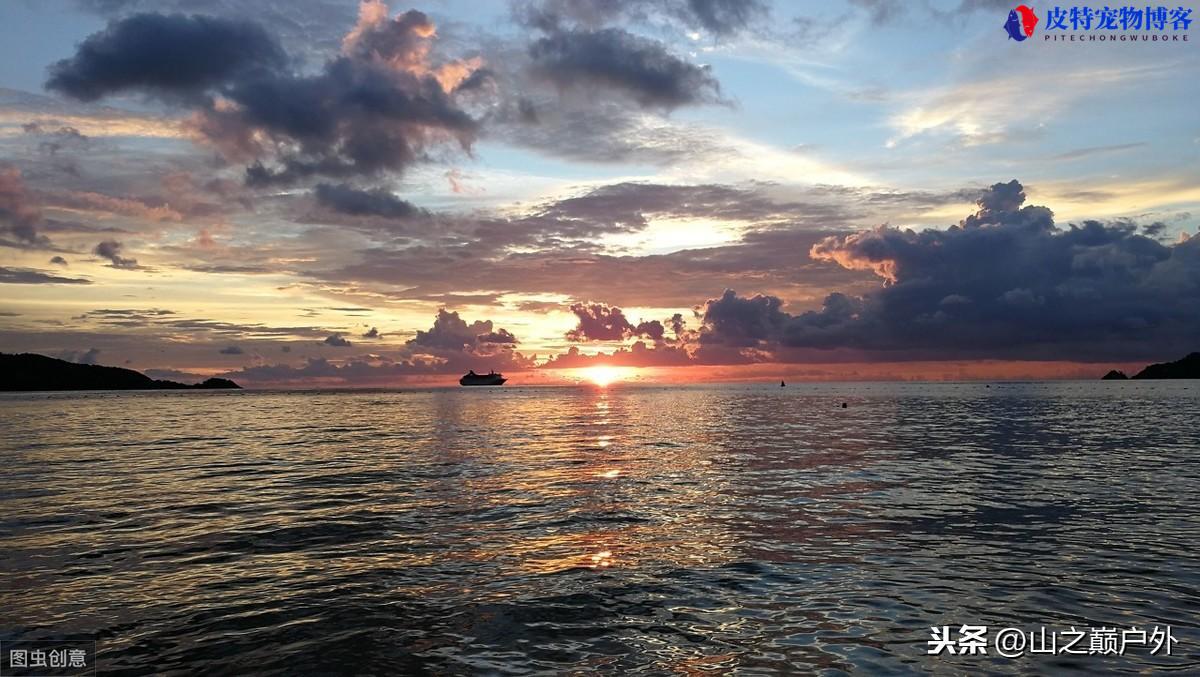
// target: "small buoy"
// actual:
[[843, 405]]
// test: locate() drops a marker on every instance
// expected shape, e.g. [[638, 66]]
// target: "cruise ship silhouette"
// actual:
[[473, 379]]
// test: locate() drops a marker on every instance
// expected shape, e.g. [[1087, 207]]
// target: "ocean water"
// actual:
[[658, 530]]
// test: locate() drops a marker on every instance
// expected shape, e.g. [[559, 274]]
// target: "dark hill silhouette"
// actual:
[[38, 372], [1188, 367], [1114, 375]]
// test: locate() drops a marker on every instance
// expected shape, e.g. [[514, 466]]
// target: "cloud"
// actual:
[[991, 110], [54, 140], [58, 261], [168, 322], [1005, 283], [30, 276], [600, 322], [613, 58], [372, 333], [722, 17], [231, 350], [451, 332], [19, 214], [120, 206], [677, 279], [739, 321], [1080, 153], [718, 17], [337, 341], [346, 199], [606, 130], [111, 250], [376, 108], [88, 356], [170, 56], [637, 355], [450, 346], [379, 106]]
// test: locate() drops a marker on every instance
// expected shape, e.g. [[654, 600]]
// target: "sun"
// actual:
[[603, 375]]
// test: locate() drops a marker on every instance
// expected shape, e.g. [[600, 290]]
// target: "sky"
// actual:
[[317, 193]]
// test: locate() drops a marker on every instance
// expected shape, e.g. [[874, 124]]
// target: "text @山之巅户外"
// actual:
[[1009, 642]]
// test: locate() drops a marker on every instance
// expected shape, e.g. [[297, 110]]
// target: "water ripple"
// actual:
[[631, 530]]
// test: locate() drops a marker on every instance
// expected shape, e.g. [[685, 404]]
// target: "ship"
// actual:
[[473, 379]]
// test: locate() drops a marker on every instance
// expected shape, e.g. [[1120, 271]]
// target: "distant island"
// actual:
[[28, 371], [1188, 367]]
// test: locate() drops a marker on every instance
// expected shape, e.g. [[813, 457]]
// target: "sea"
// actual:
[[634, 529]]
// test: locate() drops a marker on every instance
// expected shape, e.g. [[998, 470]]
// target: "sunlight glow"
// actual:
[[603, 375]]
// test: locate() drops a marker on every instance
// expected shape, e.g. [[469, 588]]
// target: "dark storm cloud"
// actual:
[[355, 118], [1004, 283], [600, 322], [738, 321], [346, 199], [597, 123], [305, 25], [614, 58], [111, 250], [337, 341], [30, 276], [377, 107], [582, 87], [166, 55]]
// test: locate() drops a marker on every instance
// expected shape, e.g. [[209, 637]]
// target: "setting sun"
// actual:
[[604, 375]]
